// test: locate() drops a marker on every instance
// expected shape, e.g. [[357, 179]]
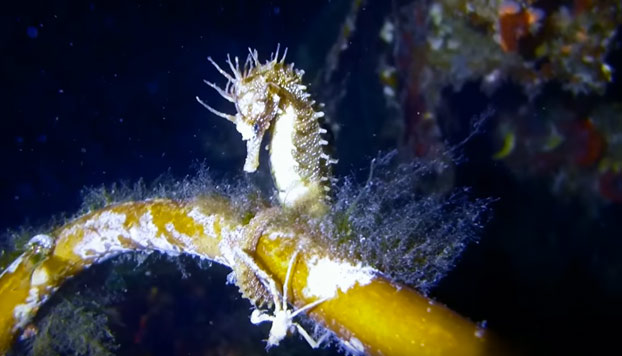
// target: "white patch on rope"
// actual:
[[178, 236], [326, 276], [354, 346], [146, 234], [229, 239], [207, 221], [39, 276], [101, 235], [23, 313], [280, 235]]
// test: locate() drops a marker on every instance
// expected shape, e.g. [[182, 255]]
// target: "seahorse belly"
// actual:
[[285, 168]]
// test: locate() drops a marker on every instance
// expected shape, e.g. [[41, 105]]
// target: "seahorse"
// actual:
[[271, 96]]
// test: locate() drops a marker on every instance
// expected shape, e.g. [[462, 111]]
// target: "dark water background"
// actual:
[[99, 92]]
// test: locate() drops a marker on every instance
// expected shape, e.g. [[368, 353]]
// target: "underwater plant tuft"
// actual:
[[397, 224], [75, 329]]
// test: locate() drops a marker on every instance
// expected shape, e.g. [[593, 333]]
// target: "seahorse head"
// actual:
[[256, 108], [256, 105]]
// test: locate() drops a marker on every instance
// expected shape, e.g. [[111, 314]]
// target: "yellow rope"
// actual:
[[374, 316]]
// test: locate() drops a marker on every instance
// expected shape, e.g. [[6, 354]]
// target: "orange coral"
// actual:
[[514, 23], [589, 144]]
